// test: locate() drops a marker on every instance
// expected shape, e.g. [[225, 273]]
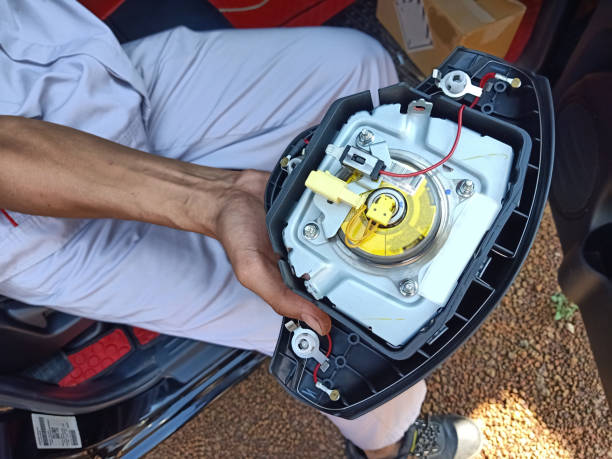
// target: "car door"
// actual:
[[581, 190]]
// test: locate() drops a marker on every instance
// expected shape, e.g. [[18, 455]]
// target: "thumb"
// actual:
[[263, 277], [294, 306], [316, 319]]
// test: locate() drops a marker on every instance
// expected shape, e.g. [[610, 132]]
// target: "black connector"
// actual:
[[362, 161]]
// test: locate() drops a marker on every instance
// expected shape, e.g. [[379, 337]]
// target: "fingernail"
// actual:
[[313, 323]]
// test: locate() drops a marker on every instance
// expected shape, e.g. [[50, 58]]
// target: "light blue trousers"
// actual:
[[229, 99]]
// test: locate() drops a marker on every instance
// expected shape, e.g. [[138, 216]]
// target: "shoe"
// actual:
[[439, 437]]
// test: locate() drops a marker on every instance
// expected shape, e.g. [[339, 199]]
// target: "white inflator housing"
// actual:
[[389, 251]]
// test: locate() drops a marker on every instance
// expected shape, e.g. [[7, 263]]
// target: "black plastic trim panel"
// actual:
[[366, 370]]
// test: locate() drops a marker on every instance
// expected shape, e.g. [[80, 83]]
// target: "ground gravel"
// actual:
[[530, 382]]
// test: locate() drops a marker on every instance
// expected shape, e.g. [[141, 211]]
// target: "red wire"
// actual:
[[9, 218], [439, 163], [329, 348], [483, 81]]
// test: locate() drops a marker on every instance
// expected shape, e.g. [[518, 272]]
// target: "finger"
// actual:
[[309, 313], [263, 277]]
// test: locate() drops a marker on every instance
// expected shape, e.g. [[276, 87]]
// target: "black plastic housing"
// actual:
[[367, 370]]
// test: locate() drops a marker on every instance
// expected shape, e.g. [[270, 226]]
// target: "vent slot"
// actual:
[[529, 189], [512, 233], [475, 296]]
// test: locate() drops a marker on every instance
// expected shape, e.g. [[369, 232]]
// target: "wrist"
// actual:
[[241, 193], [240, 188], [186, 196]]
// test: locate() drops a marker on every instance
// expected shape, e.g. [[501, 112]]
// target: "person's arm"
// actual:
[[52, 170]]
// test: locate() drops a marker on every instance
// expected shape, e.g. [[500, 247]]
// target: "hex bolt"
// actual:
[[365, 137], [334, 394], [465, 188], [310, 231], [409, 287]]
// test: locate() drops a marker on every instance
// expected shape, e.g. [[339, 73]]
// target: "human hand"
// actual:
[[56, 171], [241, 229]]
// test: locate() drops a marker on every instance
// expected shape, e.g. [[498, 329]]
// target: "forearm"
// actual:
[[52, 170], [46, 169]]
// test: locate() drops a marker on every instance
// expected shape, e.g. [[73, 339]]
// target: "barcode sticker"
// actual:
[[56, 432]]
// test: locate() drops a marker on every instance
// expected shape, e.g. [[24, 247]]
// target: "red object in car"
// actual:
[[102, 8], [144, 336], [523, 33], [277, 13], [97, 357]]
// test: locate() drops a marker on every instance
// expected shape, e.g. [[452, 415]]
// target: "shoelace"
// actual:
[[425, 438]]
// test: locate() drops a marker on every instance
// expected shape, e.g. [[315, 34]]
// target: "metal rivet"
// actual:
[[409, 287], [365, 137], [334, 394], [465, 188], [311, 231]]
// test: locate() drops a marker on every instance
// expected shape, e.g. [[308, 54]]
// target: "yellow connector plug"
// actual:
[[381, 211], [333, 188]]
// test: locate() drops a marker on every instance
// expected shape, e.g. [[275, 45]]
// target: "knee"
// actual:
[[349, 50]]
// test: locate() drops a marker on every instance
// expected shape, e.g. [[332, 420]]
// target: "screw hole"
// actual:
[[340, 361], [499, 86], [353, 338]]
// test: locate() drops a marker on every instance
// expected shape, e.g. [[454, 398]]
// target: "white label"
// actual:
[[55, 432], [414, 24]]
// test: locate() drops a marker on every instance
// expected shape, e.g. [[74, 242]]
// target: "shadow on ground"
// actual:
[[529, 381]]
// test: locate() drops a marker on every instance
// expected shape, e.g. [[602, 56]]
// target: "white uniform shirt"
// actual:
[[55, 61]]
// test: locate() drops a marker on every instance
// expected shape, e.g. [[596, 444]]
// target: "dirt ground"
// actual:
[[528, 380]]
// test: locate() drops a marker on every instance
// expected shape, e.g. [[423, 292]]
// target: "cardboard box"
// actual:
[[428, 30]]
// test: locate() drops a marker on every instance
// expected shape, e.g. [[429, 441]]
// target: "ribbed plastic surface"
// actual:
[[369, 372]]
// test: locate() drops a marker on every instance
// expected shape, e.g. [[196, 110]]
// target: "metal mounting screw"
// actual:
[[465, 188], [365, 137], [409, 287], [310, 231]]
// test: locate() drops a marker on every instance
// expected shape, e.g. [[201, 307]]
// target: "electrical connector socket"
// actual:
[[362, 161], [382, 210]]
